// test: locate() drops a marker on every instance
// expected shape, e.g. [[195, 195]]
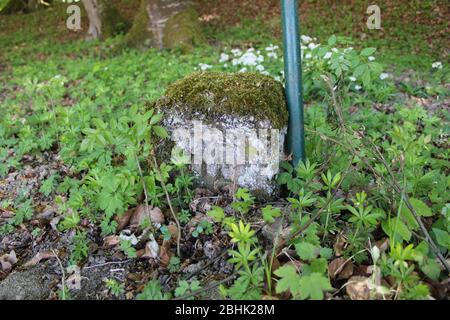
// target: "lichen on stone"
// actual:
[[218, 94]]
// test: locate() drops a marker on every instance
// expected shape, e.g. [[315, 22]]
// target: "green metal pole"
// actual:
[[293, 76]]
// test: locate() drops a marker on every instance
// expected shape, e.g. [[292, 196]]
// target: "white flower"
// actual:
[[272, 55], [312, 46], [371, 58], [353, 79], [384, 76], [272, 48], [437, 65], [260, 68], [306, 39], [335, 50], [243, 70], [248, 59], [327, 55], [358, 87], [236, 52], [224, 58], [265, 72], [278, 78], [308, 56], [204, 66], [226, 65], [251, 50]]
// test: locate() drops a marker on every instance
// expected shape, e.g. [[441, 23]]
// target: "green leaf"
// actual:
[[368, 51], [420, 207], [217, 214], [306, 251], [160, 132], [326, 253], [289, 280], [319, 266], [269, 213], [314, 286], [442, 238], [432, 269], [395, 227], [332, 40]]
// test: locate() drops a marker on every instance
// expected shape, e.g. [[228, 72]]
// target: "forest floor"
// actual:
[[44, 66]]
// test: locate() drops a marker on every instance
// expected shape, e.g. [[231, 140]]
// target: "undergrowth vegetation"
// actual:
[[370, 205]]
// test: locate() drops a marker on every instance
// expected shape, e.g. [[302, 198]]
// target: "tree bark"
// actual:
[[165, 24], [104, 19], [93, 11]]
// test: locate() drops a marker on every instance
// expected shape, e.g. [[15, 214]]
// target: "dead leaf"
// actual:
[[358, 288], [142, 212], [123, 220], [340, 268], [38, 258], [7, 261], [73, 282], [151, 249], [54, 222], [173, 230], [339, 245], [164, 254], [111, 241], [382, 244]]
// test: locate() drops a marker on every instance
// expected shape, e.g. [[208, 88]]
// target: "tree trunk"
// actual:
[[104, 19], [93, 11], [165, 24]]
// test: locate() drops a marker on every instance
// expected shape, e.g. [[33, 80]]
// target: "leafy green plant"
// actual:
[[185, 287], [114, 287], [127, 248], [153, 291]]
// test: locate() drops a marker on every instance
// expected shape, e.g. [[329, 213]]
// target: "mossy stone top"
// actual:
[[217, 94]]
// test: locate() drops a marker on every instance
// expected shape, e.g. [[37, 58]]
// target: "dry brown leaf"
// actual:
[[38, 258], [151, 249], [358, 288], [142, 212], [7, 261], [173, 230], [339, 245], [73, 282], [111, 241], [124, 219], [382, 244], [340, 268], [164, 254]]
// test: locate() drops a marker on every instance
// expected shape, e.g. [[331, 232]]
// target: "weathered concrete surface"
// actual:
[[25, 285], [233, 126]]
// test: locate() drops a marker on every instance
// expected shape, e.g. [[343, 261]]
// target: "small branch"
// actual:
[[63, 275], [169, 202], [145, 190]]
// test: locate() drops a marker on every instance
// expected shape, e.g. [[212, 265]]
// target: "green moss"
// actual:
[[139, 35], [219, 93], [183, 30]]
